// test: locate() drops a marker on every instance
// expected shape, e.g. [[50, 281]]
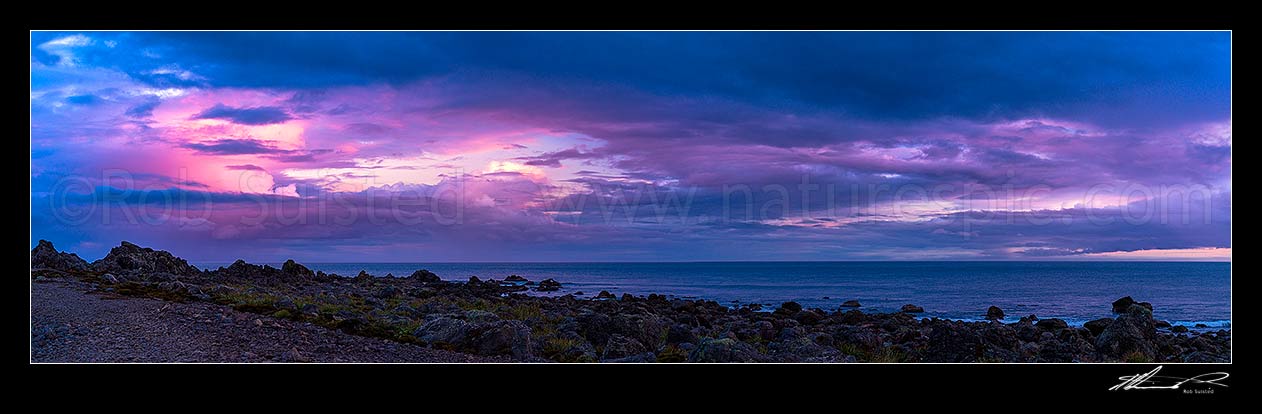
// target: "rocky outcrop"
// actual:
[[1131, 335], [548, 285], [483, 335], [129, 258], [1051, 324], [44, 255], [425, 276], [1124, 304], [725, 350], [294, 270], [1095, 327], [994, 313], [850, 304], [788, 308], [263, 275], [909, 308]]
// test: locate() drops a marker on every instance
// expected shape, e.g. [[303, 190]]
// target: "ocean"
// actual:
[[1184, 293]]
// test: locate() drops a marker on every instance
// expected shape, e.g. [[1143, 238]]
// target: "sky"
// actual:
[[633, 146]]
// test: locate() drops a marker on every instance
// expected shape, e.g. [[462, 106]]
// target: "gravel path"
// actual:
[[70, 325]]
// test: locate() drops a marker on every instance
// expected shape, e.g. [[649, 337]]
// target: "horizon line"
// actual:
[[744, 261]]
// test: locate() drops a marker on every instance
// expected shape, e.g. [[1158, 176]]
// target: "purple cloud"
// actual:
[[262, 115]]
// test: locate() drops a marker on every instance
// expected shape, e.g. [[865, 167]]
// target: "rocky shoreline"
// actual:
[[495, 320]]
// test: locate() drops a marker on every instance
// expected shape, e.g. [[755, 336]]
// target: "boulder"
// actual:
[[788, 309], [803, 349], [619, 346], [425, 276], [1132, 332], [294, 270], [724, 350], [443, 331], [44, 255], [808, 317], [501, 338], [1178, 329], [130, 258], [516, 280], [1121, 305], [1051, 324], [909, 308], [605, 295], [549, 285], [994, 313], [850, 304], [1098, 325], [680, 333]]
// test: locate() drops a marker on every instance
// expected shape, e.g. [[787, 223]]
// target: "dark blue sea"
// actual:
[[1183, 293]]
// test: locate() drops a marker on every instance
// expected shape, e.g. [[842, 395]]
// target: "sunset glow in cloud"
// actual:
[[640, 146]]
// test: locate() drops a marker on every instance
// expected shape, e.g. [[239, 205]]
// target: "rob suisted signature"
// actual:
[[1152, 381]]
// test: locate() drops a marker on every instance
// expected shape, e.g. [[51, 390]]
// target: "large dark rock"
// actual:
[[289, 273], [947, 342], [619, 346], [680, 333], [808, 317], [44, 255], [1098, 325], [804, 349], [130, 258], [1051, 324], [443, 331], [293, 269], [994, 313], [1064, 346], [850, 304], [548, 285], [646, 327], [857, 338], [788, 309], [1133, 332], [909, 308], [501, 338], [425, 276], [1121, 305]]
